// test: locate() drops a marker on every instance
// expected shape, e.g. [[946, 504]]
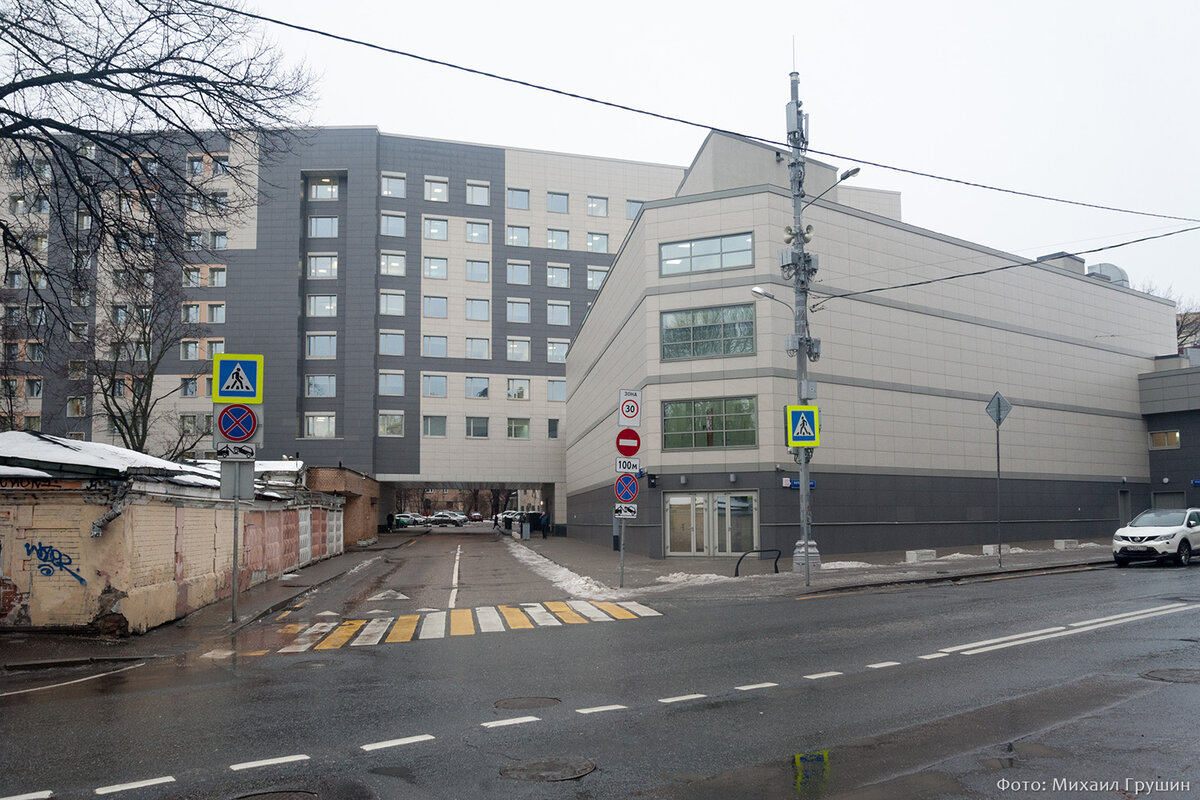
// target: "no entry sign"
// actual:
[[628, 442]]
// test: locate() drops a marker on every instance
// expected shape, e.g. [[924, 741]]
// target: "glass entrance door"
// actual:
[[711, 523]]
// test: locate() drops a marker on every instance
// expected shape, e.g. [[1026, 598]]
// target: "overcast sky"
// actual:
[[1088, 100]]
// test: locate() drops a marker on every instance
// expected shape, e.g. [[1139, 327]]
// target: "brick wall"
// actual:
[[161, 559]]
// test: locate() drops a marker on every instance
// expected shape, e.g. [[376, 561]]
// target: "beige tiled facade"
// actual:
[[903, 381]]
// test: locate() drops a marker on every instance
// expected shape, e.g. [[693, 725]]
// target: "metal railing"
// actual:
[[748, 552]]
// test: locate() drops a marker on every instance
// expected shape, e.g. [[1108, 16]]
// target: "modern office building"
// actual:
[[907, 455], [415, 301]]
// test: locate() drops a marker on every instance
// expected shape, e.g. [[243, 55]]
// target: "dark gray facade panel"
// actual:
[[876, 513], [1179, 466]]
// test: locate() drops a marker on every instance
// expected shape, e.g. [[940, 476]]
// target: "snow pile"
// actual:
[[844, 565], [573, 584], [957, 557], [678, 578], [1092, 544]]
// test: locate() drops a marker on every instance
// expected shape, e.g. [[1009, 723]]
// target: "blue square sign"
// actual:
[[237, 378], [803, 428]]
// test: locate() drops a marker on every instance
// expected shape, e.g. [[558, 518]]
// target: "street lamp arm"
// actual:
[[850, 173]]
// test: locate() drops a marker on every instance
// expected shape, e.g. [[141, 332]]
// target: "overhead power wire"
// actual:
[[817, 306], [668, 118]]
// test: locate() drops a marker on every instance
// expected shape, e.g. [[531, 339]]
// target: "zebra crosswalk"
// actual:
[[460, 622]]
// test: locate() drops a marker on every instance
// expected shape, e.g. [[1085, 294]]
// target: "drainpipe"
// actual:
[[115, 510]]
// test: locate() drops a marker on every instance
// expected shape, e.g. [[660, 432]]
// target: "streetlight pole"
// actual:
[[799, 267]]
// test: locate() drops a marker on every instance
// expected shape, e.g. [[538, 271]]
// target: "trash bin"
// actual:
[[508, 523]]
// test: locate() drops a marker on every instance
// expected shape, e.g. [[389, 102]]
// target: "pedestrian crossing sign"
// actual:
[[237, 378], [803, 426]]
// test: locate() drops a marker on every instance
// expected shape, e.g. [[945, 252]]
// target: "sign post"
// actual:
[[998, 408], [629, 415], [237, 401]]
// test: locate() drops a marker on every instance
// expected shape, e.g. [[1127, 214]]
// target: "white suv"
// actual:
[[1159, 533]]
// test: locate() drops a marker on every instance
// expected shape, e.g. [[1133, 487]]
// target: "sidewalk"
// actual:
[[572, 562]]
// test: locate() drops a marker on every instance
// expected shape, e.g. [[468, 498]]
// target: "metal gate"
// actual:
[[305, 536]]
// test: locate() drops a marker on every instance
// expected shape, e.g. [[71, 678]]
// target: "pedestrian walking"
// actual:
[[545, 523], [495, 522]]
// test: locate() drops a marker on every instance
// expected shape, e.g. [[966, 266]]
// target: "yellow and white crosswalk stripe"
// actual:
[[461, 622]]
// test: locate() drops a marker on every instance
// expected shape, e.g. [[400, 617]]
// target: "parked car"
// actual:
[[1159, 533], [475, 516], [446, 518], [406, 519]]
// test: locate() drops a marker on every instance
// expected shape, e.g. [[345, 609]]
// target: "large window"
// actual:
[[595, 277], [597, 206], [319, 189], [320, 426], [518, 427], [705, 255], [436, 268], [435, 307], [518, 236], [392, 224], [393, 185], [322, 305], [438, 229], [323, 227], [320, 386], [391, 343], [716, 422], [478, 348], [518, 388], [477, 387], [322, 267], [478, 232], [433, 346], [478, 309], [558, 313], [519, 199], [433, 426], [391, 423], [479, 271], [707, 332], [518, 310], [556, 350], [1164, 440], [556, 391], [477, 427], [391, 383], [518, 273], [437, 190], [391, 263], [321, 345], [518, 348], [433, 385], [391, 303], [478, 194]]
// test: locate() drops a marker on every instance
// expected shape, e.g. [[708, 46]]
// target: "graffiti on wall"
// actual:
[[51, 559]]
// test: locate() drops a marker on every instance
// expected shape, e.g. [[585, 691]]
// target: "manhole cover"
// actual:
[[1174, 675], [526, 702], [549, 769]]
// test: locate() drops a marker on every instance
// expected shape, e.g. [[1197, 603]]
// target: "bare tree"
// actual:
[[127, 127], [1187, 314]]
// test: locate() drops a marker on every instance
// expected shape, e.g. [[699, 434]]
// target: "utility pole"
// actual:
[[800, 267]]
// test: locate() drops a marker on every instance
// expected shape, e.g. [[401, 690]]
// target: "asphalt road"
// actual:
[[919, 691]]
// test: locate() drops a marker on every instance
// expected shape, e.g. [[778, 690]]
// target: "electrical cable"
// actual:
[[679, 120], [817, 306]]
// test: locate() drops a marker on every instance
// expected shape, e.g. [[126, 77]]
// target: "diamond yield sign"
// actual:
[[626, 488], [237, 423], [628, 442], [998, 408]]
